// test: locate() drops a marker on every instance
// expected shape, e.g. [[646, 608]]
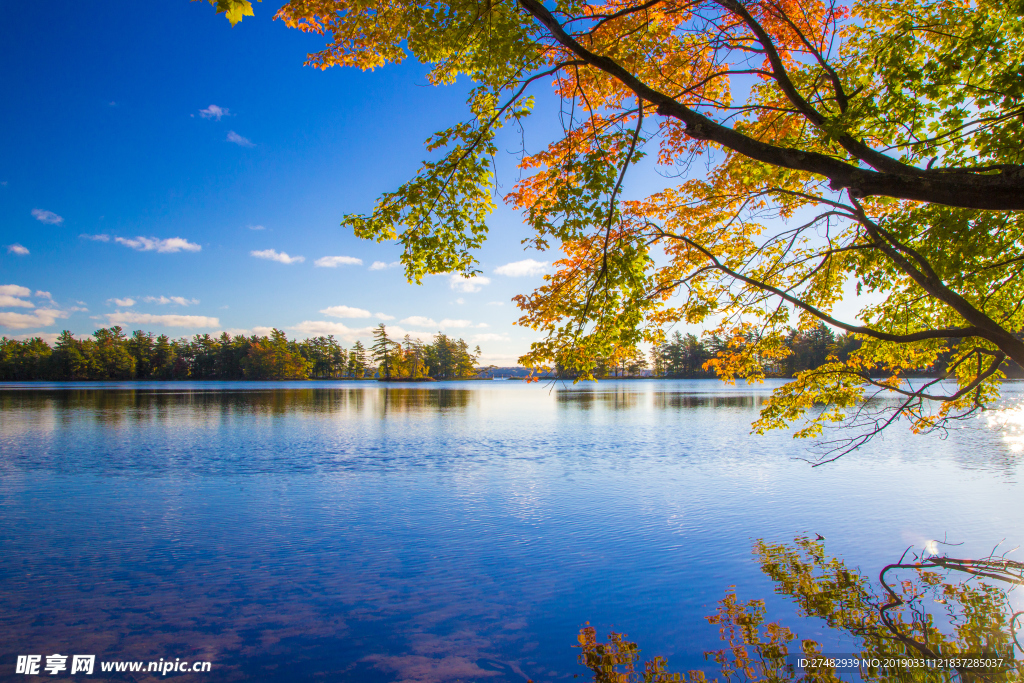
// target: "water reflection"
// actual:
[[127, 403], [681, 401], [619, 398], [357, 531], [925, 619], [623, 398]]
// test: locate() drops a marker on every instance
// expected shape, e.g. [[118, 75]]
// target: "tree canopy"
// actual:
[[811, 148], [112, 355]]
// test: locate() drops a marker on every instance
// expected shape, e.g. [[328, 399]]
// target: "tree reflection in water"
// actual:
[[923, 608], [126, 404]]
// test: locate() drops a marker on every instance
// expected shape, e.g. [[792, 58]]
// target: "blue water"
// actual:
[[451, 531]]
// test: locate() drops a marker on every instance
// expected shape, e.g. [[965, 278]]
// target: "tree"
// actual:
[[109, 356], [68, 360], [358, 363], [140, 347], [325, 355], [382, 351], [413, 354], [25, 360], [809, 349], [449, 358], [274, 357], [818, 146], [338, 358], [163, 358]]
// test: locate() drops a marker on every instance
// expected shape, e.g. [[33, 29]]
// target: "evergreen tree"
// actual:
[[140, 347], [110, 359], [358, 361], [382, 351]]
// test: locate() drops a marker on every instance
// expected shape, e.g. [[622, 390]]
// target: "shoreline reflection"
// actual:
[[930, 618]]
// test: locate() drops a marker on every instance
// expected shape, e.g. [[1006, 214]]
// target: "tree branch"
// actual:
[[1003, 191], [948, 333]]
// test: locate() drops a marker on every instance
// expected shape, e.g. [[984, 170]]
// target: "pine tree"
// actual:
[[382, 351]]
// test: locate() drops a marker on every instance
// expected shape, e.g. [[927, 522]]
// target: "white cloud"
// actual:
[[126, 302], [45, 295], [397, 333], [501, 360], [10, 297], [41, 317], [15, 290], [171, 245], [96, 238], [447, 323], [8, 301], [17, 249], [280, 257], [522, 268], [383, 316], [163, 300], [165, 320], [465, 284], [47, 217], [48, 337], [335, 261], [258, 330], [381, 265], [345, 312], [495, 303], [234, 332], [239, 140], [419, 321], [317, 328], [487, 336], [460, 301], [256, 227], [214, 112]]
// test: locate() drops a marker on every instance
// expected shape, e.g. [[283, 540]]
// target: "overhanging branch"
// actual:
[[998, 191]]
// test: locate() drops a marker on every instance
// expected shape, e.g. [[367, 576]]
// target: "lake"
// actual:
[[353, 531]]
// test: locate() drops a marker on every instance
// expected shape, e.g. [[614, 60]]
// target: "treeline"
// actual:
[[112, 355], [685, 355]]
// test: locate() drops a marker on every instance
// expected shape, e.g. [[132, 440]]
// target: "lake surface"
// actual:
[[453, 531]]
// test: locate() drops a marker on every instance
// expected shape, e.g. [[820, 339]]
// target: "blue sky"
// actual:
[[150, 149], [162, 170]]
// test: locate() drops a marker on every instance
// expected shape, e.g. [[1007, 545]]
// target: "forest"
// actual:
[[110, 354], [686, 356]]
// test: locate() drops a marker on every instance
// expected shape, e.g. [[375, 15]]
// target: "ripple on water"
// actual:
[[300, 530]]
